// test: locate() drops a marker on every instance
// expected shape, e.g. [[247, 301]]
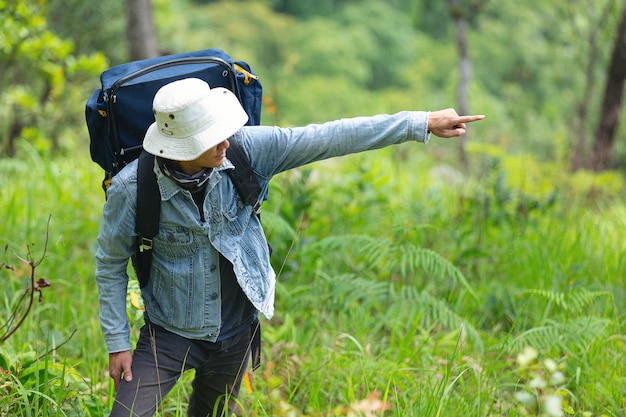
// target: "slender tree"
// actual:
[[612, 101], [141, 30], [459, 12], [580, 157]]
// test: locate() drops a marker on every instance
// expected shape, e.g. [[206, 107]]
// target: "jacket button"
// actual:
[[212, 268], [214, 296]]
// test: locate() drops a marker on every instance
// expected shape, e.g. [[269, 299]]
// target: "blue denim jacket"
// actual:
[[183, 294]]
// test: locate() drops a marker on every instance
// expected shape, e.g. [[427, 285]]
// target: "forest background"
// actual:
[[482, 276]]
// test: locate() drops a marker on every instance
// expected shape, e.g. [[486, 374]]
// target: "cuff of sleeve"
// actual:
[[419, 126], [427, 136], [118, 343]]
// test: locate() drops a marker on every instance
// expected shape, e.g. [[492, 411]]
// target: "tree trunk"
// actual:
[[612, 101], [460, 11], [465, 73], [141, 31], [580, 156]]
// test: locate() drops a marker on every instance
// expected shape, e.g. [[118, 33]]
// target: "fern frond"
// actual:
[[541, 338], [574, 301], [582, 297], [414, 258], [275, 224], [382, 254], [347, 289], [435, 310], [584, 331], [573, 336], [372, 251], [558, 298]]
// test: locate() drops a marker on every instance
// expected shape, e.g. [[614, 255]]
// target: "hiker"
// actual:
[[210, 275]]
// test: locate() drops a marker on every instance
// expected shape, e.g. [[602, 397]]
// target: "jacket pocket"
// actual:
[[237, 216], [174, 243]]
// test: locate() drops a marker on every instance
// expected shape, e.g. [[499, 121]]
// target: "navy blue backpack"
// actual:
[[119, 113]]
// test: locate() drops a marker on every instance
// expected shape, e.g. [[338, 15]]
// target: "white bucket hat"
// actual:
[[191, 118]]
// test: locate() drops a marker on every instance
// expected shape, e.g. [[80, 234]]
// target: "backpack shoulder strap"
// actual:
[[245, 182], [243, 178], [147, 215]]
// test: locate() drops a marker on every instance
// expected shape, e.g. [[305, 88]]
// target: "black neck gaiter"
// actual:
[[195, 183]]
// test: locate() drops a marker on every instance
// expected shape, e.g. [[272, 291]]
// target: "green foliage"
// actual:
[[305, 9], [357, 45], [388, 260], [323, 60], [406, 287], [102, 27], [40, 385], [42, 81], [572, 303], [250, 31], [545, 269], [374, 308], [549, 48]]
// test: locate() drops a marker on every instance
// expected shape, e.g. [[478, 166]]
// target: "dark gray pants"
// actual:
[[161, 356]]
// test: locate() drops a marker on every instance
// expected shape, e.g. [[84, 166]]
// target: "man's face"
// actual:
[[212, 158]]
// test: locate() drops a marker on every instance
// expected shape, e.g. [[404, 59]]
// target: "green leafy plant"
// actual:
[[40, 385], [36, 384], [25, 302], [571, 328]]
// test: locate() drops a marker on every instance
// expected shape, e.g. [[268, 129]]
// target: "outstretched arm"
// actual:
[[447, 123], [272, 149]]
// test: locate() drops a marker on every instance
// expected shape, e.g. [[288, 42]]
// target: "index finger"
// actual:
[[471, 118]]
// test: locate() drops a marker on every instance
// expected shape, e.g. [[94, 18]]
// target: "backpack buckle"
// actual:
[[257, 207], [145, 244]]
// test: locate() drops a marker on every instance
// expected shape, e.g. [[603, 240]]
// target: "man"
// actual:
[[211, 274]]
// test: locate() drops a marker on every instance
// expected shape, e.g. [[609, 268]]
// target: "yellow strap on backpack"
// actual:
[[247, 74]]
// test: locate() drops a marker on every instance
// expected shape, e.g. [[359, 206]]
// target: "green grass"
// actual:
[[399, 292]]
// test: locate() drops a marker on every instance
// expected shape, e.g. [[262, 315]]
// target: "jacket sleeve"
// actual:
[[273, 150], [116, 243]]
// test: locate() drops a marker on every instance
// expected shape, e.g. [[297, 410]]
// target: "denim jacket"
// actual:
[[183, 293]]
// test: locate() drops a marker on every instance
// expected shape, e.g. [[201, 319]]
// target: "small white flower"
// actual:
[[552, 406], [525, 397], [527, 356], [550, 365], [557, 378], [537, 382]]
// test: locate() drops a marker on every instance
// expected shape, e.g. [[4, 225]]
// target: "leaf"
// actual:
[[370, 404], [135, 302], [42, 283]]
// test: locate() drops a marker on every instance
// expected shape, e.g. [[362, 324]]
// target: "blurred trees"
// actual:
[[612, 101], [586, 22], [40, 80], [93, 26], [142, 37], [461, 12], [534, 66]]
